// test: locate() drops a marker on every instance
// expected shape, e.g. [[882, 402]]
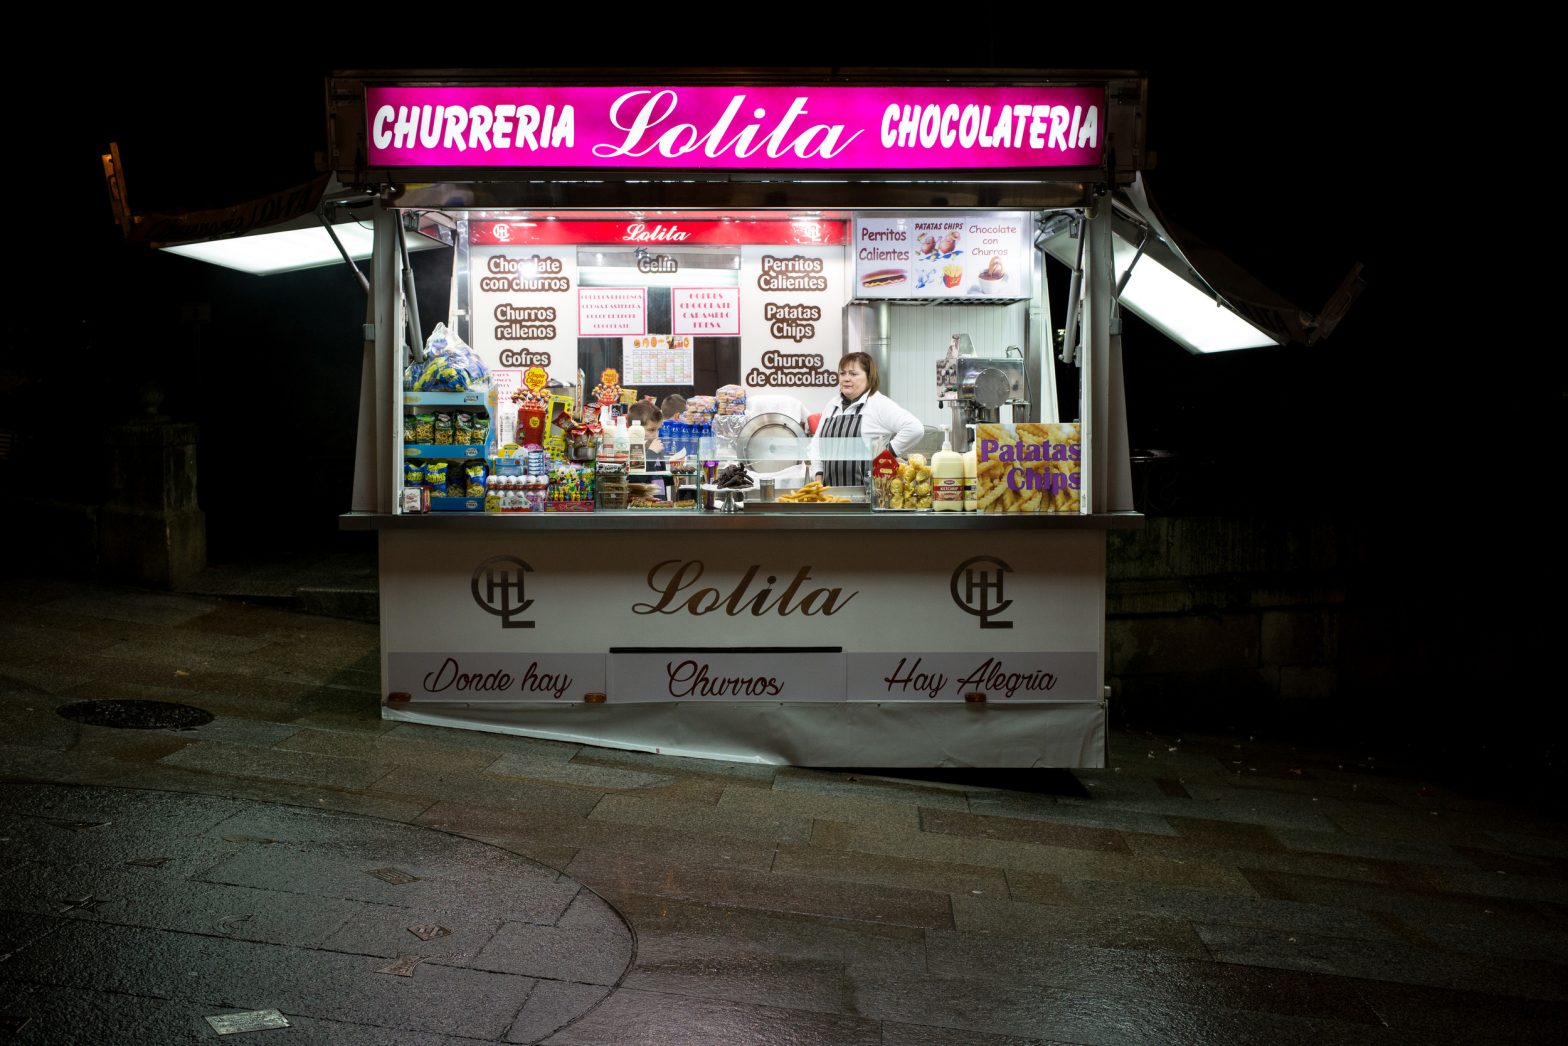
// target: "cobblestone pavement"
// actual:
[[296, 852]]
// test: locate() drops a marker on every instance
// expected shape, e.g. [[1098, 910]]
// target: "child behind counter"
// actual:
[[650, 416]]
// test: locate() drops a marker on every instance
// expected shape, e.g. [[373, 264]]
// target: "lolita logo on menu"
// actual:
[[753, 128]]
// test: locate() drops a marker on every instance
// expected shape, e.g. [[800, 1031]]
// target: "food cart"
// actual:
[[683, 234]]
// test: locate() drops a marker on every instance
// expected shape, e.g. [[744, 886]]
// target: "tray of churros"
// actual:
[[814, 497]]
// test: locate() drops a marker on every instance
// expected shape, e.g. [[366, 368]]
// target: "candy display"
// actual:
[[449, 365]]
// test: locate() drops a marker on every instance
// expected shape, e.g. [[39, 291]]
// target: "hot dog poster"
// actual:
[[943, 256]]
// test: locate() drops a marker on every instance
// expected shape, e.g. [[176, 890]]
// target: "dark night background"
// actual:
[[1421, 427]]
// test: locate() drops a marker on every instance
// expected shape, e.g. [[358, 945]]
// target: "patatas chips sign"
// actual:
[[1028, 468]]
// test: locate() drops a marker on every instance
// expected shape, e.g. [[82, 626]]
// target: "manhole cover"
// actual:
[[136, 715]]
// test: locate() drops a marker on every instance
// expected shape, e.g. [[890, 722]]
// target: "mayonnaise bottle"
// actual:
[[947, 477], [971, 475]]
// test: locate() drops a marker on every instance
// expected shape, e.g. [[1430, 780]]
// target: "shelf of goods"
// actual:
[[474, 400]]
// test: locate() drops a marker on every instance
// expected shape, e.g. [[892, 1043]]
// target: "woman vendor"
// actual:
[[858, 412]]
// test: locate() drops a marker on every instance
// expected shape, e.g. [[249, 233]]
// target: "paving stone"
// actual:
[[20, 929], [1075, 837], [1456, 1015], [17, 677], [167, 778], [729, 930], [1226, 835], [483, 789], [551, 1006], [1083, 1017], [1510, 863], [140, 608], [760, 773], [276, 764], [1357, 846], [1149, 976], [1500, 884], [655, 1019], [1027, 857], [237, 731], [131, 824], [324, 985], [387, 750], [867, 787], [1399, 825], [1328, 866], [376, 929], [1419, 905], [1086, 926], [619, 874], [896, 1034], [573, 773], [529, 832], [763, 805], [484, 740], [57, 1014], [937, 876], [1217, 803], [743, 823], [291, 868], [1087, 815], [1201, 906], [1494, 935], [1383, 961], [590, 944], [189, 649], [135, 896], [749, 977]]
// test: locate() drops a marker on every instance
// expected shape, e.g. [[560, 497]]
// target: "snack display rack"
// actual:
[[824, 634]]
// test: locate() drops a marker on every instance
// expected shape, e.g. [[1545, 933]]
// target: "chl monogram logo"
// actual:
[[977, 589], [497, 586]]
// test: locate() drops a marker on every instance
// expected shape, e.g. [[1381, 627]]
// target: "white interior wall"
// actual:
[[920, 336]]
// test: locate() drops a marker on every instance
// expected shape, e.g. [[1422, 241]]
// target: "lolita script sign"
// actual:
[[736, 128]]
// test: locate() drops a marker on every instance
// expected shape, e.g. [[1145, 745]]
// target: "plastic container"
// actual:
[[947, 477]]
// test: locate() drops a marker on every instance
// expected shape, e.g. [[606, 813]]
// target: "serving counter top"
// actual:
[[795, 519]]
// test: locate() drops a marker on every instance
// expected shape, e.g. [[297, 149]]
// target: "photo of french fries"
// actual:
[[812, 493], [1032, 475]]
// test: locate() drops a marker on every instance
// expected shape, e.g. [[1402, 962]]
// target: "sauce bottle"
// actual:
[[947, 477], [639, 447]]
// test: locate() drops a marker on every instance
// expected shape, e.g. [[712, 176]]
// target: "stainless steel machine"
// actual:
[[976, 388]]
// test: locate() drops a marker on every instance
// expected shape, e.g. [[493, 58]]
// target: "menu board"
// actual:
[[612, 312], [792, 326], [944, 256], [658, 359], [711, 311], [525, 308]]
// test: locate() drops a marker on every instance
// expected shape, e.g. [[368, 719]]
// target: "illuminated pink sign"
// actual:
[[655, 233], [737, 128]]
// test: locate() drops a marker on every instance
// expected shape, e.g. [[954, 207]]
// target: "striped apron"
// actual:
[[842, 472]]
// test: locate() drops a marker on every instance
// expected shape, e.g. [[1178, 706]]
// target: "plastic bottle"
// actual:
[[971, 475], [947, 477], [623, 441], [638, 444]]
